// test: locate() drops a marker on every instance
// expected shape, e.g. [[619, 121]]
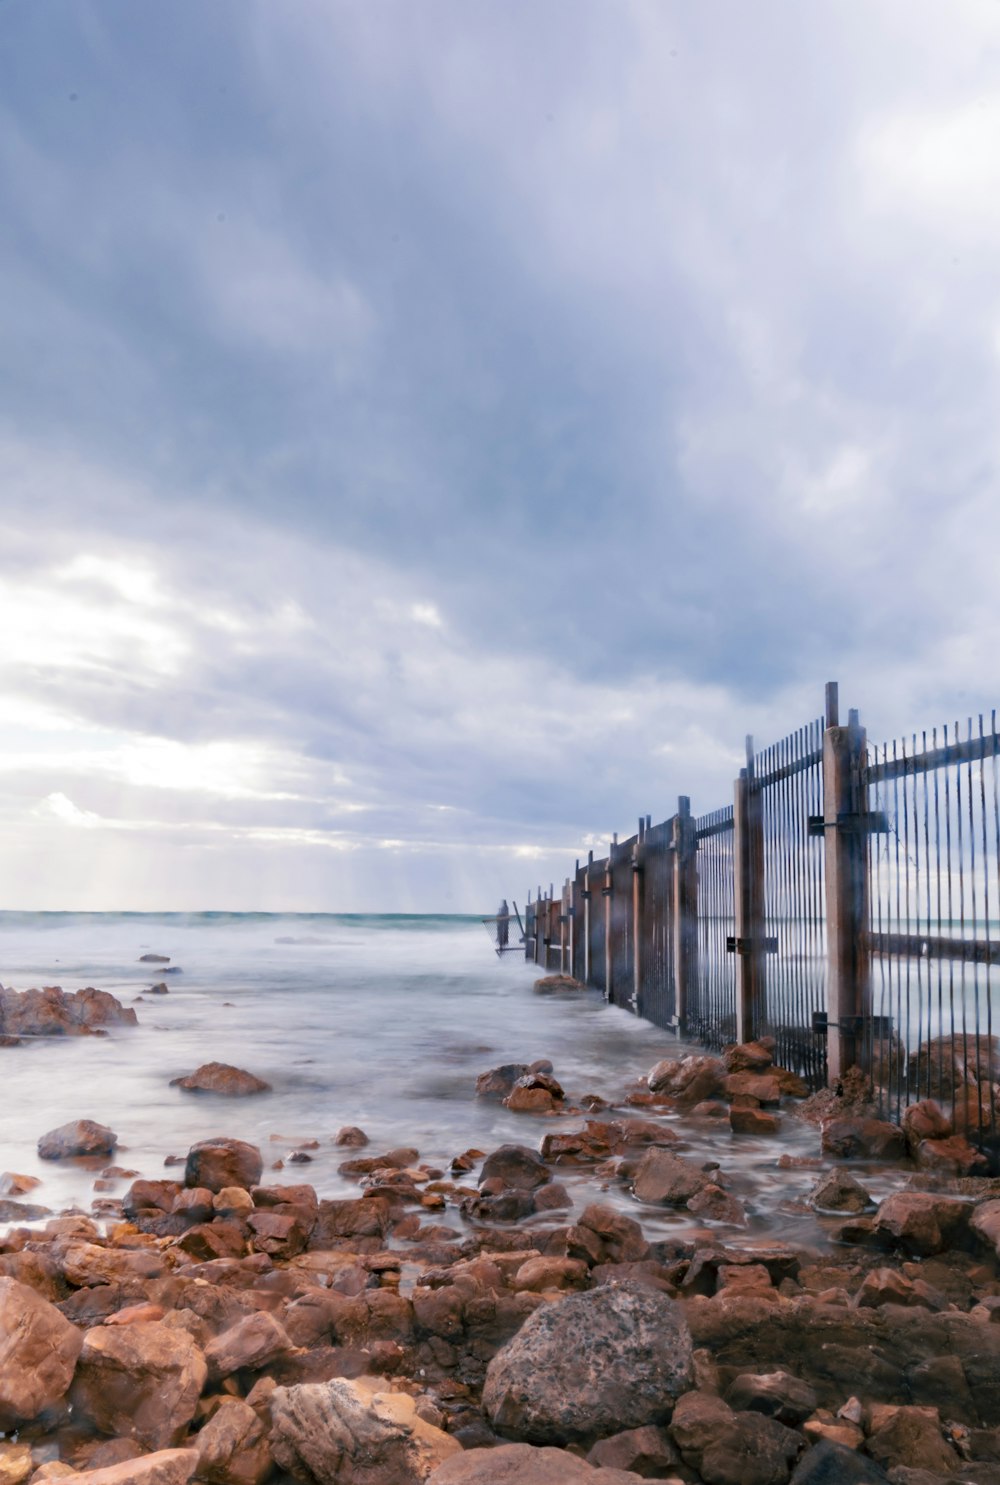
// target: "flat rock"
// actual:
[[521, 1464], [79, 1137], [590, 1365], [164, 1467], [38, 1352], [220, 1077]]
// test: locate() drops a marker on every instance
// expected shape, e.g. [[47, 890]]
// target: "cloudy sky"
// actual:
[[434, 432]]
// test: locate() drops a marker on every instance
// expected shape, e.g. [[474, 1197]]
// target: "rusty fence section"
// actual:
[[847, 903], [934, 890]]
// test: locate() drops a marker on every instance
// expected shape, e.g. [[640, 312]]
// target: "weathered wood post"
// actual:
[[685, 905], [588, 884], [748, 894], [846, 823], [638, 853], [607, 889], [564, 928]]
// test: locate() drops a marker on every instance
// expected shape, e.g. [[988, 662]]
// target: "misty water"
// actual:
[[378, 1021]]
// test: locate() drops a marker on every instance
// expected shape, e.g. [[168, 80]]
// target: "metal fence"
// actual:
[[847, 904]]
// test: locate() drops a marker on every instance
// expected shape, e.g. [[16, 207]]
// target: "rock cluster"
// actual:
[[232, 1332], [54, 1012]]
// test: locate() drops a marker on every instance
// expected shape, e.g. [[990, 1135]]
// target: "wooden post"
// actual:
[[609, 990], [588, 886], [845, 839], [685, 906], [748, 893], [564, 928], [637, 903]]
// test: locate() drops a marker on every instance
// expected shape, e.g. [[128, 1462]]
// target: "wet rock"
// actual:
[[985, 1223], [730, 1448], [161, 989], [667, 1179], [839, 1192], [248, 1345], [220, 1162], [499, 1081], [951, 1156], [22, 1211], [38, 1352], [233, 1447], [13, 1184], [690, 1079], [753, 1121], [145, 1196], [534, 1094], [86, 1264], [647, 1452], [833, 1464], [748, 1056], [80, 1137], [551, 1197], [52, 1012], [945, 1064], [220, 1077], [621, 1239], [920, 1222], [589, 1365], [925, 1120], [348, 1433], [764, 1087], [912, 1437], [351, 1135], [558, 982], [775, 1394], [365, 1217], [164, 1467], [863, 1139], [516, 1166], [886, 1286], [140, 1381], [539, 1274], [16, 1463], [154, 958], [715, 1205]]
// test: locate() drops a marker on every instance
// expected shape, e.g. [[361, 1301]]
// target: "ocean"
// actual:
[[382, 1021]]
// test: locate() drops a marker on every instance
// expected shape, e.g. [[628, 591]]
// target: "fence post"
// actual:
[[606, 890], [748, 894], [588, 892], [685, 843], [845, 825], [637, 902]]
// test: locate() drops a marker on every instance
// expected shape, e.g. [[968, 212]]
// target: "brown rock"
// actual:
[[165, 1467], [366, 1217], [920, 1222], [80, 1137], [985, 1223], [839, 1192], [499, 1081], [668, 1179], [753, 1121], [622, 1240], [646, 1452], [86, 1264], [764, 1087], [529, 1099], [911, 1437], [690, 1079], [863, 1139], [38, 1351], [521, 1464], [730, 1448], [233, 1448], [925, 1120], [517, 1166], [952, 1156], [248, 1345], [715, 1205], [350, 1433], [558, 982], [748, 1057], [139, 1381], [16, 1463], [52, 1012], [775, 1394], [538, 1274], [220, 1077], [221, 1162]]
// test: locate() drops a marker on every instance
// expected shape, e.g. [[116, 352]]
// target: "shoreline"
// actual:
[[241, 1292]]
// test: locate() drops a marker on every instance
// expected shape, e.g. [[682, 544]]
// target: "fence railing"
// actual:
[[847, 903]]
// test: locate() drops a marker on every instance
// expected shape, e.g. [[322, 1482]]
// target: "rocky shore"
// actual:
[[473, 1324]]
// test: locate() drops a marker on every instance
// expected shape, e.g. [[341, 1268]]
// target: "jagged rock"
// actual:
[[16, 1463], [165, 1467], [220, 1077], [647, 1452], [775, 1394], [248, 1345], [753, 1121], [22, 1211], [233, 1448], [863, 1139], [925, 1120], [748, 1056], [690, 1079], [667, 1179], [589, 1365], [730, 1448], [764, 1087], [221, 1162], [86, 1264], [142, 1381], [52, 1012], [920, 1222], [348, 1433], [38, 1352], [951, 1156], [985, 1223], [80, 1137], [517, 1166], [621, 1239], [839, 1192], [521, 1464], [715, 1205], [558, 982], [911, 1437]]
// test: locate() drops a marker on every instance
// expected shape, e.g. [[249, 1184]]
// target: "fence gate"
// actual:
[[711, 1011], [657, 987]]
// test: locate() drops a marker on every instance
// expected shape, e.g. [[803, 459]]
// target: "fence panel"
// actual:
[[621, 991], [789, 776], [711, 1015], [934, 872], [596, 934], [657, 999]]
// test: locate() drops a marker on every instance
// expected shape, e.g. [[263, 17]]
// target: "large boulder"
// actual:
[[79, 1137], [351, 1433], [667, 1179], [592, 1364], [851, 1138], [728, 1448], [920, 1222], [516, 1166], [690, 1079], [139, 1381], [38, 1352], [221, 1162], [220, 1077], [247, 1346], [521, 1464], [51, 1012]]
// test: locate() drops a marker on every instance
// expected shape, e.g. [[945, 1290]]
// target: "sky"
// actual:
[[433, 433]]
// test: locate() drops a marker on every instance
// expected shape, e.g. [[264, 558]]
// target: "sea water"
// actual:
[[378, 1021]]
